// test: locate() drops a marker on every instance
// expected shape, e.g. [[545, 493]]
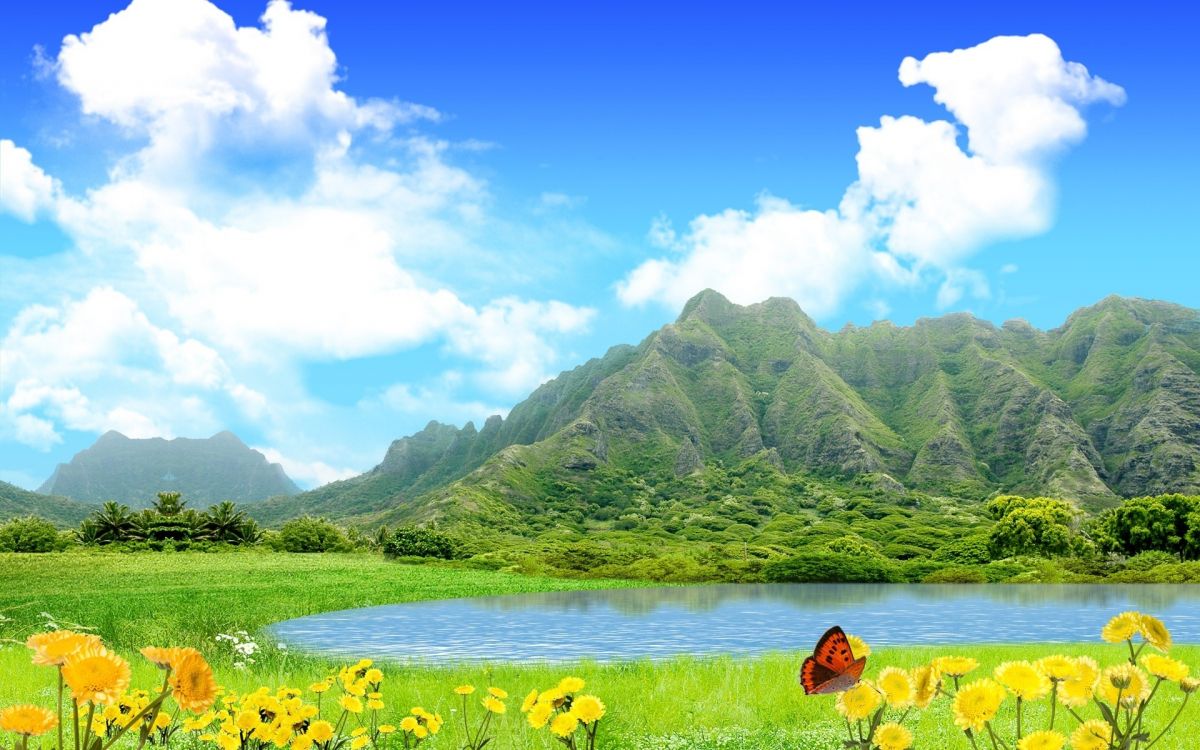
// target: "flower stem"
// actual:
[[1171, 723]]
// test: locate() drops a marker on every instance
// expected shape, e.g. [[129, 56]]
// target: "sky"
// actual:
[[322, 225]]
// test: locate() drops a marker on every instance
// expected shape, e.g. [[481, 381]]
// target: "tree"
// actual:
[[413, 541], [1031, 526], [308, 534], [111, 524], [812, 567], [30, 534], [225, 522], [1166, 523]]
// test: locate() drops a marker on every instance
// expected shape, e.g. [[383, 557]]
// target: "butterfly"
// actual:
[[832, 668]]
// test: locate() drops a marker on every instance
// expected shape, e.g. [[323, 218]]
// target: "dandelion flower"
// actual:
[[27, 720], [1091, 735], [977, 703], [1057, 667], [320, 731], [166, 658], [496, 692], [494, 705], [1122, 627], [926, 682], [95, 675], [52, 649], [955, 666], [587, 708], [858, 702], [408, 723], [192, 683], [1023, 680], [858, 647], [358, 743], [570, 684], [893, 736], [897, 687], [564, 725], [1155, 633], [1076, 691], [319, 687], [1164, 667], [352, 704], [1189, 684], [1126, 681], [529, 702], [1043, 740], [373, 676], [387, 728], [464, 689], [540, 714]]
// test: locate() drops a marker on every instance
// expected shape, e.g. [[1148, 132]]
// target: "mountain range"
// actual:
[[133, 471], [1105, 406]]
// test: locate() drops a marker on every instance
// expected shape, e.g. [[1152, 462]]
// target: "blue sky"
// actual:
[[323, 236]]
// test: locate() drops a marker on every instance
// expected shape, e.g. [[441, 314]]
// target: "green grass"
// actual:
[[705, 704]]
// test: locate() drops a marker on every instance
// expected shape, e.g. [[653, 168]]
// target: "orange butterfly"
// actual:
[[832, 668]]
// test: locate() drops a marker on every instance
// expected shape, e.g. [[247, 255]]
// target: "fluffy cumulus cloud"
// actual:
[[260, 218], [922, 204]]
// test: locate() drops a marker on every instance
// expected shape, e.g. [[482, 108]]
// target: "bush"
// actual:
[[1148, 560], [309, 534], [31, 534], [413, 541], [971, 550], [830, 568], [956, 575]]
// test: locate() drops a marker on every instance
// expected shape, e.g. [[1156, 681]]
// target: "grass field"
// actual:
[[708, 704]]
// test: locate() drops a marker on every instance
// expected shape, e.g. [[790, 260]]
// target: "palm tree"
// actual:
[[223, 523], [168, 504], [113, 523]]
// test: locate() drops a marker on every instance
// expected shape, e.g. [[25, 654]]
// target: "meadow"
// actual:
[[138, 599]]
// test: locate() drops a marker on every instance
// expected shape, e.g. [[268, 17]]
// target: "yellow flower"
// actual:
[[529, 702], [1126, 681], [564, 725], [358, 743], [464, 689], [570, 684], [858, 647], [1043, 740], [387, 728], [27, 720], [199, 723], [587, 708], [1189, 684], [374, 676], [858, 702], [408, 723], [420, 732], [955, 666], [1057, 667], [351, 704], [320, 731], [893, 736], [977, 703], [166, 658], [1023, 679], [1165, 667], [540, 714], [192, 683], [897, 687], [926, 682], [95, 675], [494, 705], [1122, 627], [228, 742], [375, 704], [319, 687], [302, 742], [1091, 735], [52, 649], [358, 732], [497, 693], [1155, 633], [1077, 690]]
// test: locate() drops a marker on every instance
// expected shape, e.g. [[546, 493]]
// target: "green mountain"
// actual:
[[1108, 405], [206, 471], [16, 502]]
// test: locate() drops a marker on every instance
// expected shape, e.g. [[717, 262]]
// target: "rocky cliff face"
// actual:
[[1108, 405], [133, 471]]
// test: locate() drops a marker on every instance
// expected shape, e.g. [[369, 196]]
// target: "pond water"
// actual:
[[621, 624]]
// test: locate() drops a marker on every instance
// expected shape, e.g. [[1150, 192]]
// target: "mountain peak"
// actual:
[[707, 305]]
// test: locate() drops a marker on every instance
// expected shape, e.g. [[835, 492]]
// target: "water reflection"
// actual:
[[734, 619]]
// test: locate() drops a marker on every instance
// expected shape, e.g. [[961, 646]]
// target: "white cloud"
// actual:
[[921, 205], [25, 190], [307, 473]]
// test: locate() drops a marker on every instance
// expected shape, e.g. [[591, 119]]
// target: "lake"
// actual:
[[622, 624]]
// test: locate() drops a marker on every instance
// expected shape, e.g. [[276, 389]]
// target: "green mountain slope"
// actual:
[[133, 471], [16, 502], [1107, 405]]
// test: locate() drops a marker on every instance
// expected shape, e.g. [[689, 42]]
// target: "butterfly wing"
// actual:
[[832, 668]]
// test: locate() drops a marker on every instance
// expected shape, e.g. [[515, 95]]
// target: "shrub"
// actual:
[[956, 575], [413, 541], [830, 568], [31, 534], [309, 534], [971, 550]]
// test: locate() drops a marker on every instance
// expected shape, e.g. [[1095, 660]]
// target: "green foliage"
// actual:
[[31, 534], [830, 568], [1030, 526], [956, 574], [414, 541], [1164, 523], [308, 534]]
